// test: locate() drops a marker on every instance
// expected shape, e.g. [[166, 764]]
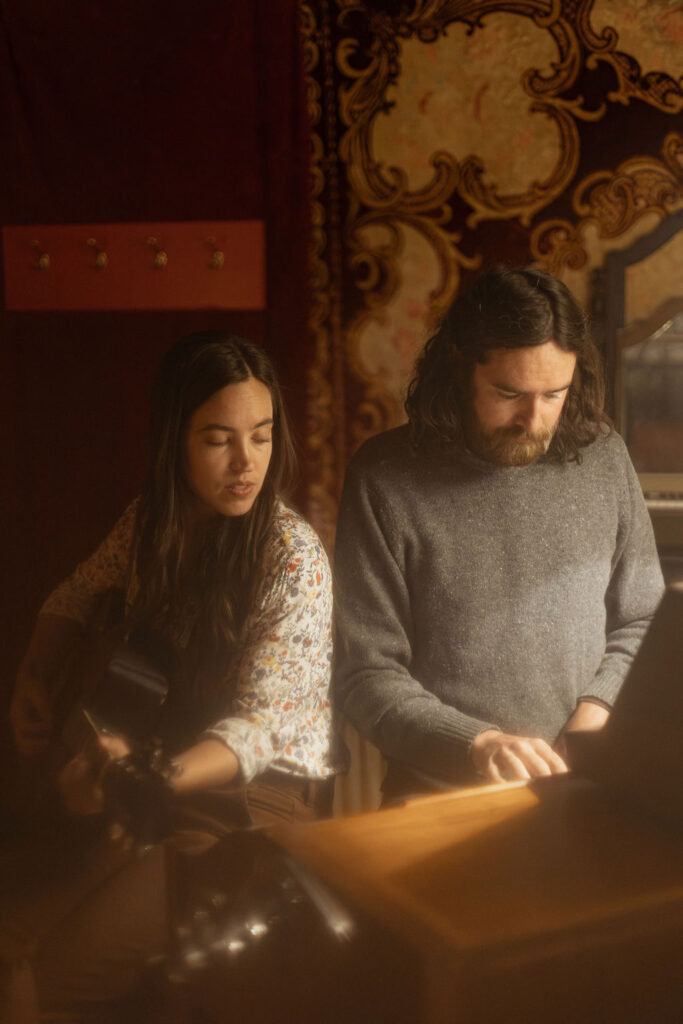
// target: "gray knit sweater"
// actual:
[[471, 595]]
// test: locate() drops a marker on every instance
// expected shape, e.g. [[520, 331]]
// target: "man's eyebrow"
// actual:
[[515, 391], [221, 426]]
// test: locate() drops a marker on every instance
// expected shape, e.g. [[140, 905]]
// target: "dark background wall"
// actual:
[[117, 113]]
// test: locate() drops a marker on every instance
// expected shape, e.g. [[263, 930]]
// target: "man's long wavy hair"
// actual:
[[214, 595], [506, 308]]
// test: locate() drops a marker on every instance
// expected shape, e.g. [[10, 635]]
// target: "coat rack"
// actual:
[[138, 266]]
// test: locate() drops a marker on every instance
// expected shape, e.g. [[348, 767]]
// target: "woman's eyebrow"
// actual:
[[221, 426]]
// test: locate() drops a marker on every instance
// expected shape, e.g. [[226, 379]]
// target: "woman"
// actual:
[[234, 590]]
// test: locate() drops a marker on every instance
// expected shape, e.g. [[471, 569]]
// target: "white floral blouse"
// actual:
[[280, 715]]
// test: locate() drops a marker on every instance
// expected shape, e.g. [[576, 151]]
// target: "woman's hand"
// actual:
[[80, 780], [80, 787], [115, 746], [30, 714]]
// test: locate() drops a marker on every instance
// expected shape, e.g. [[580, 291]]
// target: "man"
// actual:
[[496, 567]]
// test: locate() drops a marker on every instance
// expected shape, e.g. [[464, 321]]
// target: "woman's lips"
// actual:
[[240, 490]]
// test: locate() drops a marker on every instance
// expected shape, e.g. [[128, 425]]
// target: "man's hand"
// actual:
[[503, 758], [587, 716], [30, 714]]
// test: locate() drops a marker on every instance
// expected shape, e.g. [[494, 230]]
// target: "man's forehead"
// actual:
[[529, 367]]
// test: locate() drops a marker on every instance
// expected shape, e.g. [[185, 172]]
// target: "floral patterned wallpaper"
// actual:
[[449, 135]]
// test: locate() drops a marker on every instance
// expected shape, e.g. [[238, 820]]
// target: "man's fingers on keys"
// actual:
[[513, 758], [551, 757]]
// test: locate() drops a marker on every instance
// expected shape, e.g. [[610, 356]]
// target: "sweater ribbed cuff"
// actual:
[[454, 726], [452, 740], [604, 687], [586, 699]]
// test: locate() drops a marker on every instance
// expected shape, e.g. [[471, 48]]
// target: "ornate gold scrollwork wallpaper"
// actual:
[[449, 135]]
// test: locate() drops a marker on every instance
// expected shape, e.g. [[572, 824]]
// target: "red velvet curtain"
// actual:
[[124, 112]]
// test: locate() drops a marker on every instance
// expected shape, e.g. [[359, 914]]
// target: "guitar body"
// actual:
[[34, 800]]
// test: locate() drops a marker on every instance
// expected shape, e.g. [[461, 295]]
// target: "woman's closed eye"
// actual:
[[259, 439]]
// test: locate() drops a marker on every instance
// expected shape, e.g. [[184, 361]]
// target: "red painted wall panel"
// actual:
[[176, 265]]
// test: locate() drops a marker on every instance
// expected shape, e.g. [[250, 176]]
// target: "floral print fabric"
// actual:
[[280, 714]]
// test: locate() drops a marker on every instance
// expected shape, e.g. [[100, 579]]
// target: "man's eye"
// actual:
[[508, 396]]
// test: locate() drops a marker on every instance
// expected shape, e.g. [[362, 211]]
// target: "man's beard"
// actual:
[[508, 446]]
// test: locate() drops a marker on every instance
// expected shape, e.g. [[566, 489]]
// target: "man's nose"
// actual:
[[530, 415]]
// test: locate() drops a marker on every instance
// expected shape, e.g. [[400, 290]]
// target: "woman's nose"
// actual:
[[240, 456]]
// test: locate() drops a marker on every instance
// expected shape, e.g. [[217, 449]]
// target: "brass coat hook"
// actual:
[[217, 255], [101, 258], [160, 261], [43, 261]]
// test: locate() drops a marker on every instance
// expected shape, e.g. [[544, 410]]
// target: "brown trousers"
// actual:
[[84, 915]]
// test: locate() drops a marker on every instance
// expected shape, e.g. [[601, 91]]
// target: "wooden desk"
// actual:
[[519, 903]]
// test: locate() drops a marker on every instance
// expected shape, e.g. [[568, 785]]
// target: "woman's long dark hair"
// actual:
[[506, 308], [212, 597]]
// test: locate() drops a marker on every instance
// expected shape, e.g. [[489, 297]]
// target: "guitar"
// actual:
[[103, 686]]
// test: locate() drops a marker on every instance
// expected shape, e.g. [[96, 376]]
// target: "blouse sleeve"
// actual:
[[280, 714], [106, 569]]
